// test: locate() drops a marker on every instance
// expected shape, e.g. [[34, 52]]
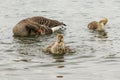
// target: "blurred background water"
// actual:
[[95, 58]]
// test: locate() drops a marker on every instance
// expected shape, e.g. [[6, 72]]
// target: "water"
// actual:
[[95, 58]]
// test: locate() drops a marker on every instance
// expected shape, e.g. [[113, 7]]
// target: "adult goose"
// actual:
[[36, 26]]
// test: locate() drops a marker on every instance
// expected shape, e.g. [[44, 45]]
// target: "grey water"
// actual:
[[96, 58]]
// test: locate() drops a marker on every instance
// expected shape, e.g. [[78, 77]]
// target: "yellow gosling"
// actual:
[[98, 26], [104, 21]]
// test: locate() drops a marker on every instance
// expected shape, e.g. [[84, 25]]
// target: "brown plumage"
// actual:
[[47, 22], [30, 28], [98, 26], [58, 47], [34, 26]]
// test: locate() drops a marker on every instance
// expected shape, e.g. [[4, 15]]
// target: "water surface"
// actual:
[[95, 58]]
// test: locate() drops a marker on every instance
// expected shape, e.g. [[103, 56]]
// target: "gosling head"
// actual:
[[104, 21], [60, 38]]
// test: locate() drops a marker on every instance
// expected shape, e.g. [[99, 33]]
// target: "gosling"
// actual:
[[98, 26], [58, 47]]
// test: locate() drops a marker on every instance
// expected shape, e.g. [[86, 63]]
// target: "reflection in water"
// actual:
[[31, 45], [58, 58], [102, 34], [60, 66], [24, 53], [23, 60], [59, 76]]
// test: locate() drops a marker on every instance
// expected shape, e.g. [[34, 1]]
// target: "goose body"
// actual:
[[35, 25]]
